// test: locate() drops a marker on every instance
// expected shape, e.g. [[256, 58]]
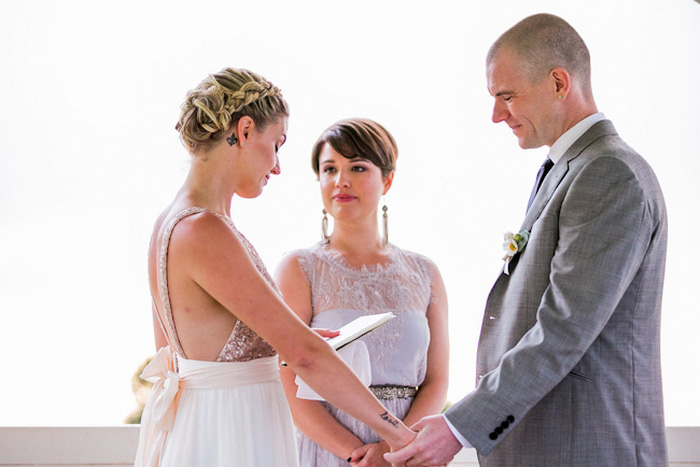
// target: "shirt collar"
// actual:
[[565, 141]]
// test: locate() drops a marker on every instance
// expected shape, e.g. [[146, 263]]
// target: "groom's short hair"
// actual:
[[543, 42]]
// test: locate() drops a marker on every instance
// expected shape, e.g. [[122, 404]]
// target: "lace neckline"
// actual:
[[339, 260]]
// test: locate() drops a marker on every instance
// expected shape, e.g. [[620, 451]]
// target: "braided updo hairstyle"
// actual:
[[221, 99]]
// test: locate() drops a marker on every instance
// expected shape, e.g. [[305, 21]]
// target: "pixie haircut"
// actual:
[[543, 42], [359, 138], [221, 99]]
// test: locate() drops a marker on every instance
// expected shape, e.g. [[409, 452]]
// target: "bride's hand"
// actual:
[[325, 332]]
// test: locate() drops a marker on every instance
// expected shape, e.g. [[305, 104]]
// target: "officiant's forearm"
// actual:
[[327, 374], [322, 428], [430, 400], [432, 393], [312, 418]]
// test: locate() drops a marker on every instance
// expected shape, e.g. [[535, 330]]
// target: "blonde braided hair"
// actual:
[[221, 99]]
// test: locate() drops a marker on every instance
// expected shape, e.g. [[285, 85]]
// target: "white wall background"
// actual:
[[90, 93]]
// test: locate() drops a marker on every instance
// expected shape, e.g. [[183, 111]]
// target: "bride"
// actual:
[[219, 320]]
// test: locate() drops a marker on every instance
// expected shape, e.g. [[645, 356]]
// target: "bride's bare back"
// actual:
[[197, 326]]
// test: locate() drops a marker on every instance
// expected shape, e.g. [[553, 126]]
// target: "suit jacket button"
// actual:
[[510, 419], [498, 430], [493, 435], [505, 424]]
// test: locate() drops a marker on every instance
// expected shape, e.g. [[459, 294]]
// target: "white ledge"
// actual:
[[114, 446]]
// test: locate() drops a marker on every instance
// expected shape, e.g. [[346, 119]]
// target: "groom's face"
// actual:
[[525, 107]]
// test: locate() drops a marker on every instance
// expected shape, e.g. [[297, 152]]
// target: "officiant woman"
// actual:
[[354, 270]]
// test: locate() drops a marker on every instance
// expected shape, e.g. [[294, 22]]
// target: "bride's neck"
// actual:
[[207, 185]]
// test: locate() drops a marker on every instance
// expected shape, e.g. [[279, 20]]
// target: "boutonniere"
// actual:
[[512, 244]]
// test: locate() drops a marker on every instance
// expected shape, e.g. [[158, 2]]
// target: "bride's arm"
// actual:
[[309, 416], [218, 262]]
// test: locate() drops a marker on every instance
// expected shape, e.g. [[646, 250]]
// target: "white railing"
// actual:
[[114, 446]]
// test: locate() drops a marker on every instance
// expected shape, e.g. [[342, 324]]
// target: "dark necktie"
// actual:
[[544, 169]]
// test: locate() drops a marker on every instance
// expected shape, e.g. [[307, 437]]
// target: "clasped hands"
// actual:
[[370, 455], [434, 445]]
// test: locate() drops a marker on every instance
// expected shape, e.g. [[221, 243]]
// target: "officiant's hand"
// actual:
[[370, 455], [326, 333]]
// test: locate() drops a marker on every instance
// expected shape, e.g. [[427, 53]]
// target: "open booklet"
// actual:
[[358, 328]]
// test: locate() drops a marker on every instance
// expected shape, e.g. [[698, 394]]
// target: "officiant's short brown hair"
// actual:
[[359, 138]]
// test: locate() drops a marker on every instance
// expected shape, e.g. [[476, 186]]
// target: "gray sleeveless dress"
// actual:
[[397, 350]]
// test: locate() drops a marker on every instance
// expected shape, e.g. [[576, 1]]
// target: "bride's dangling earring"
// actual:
[[385, 225], [324, 228]]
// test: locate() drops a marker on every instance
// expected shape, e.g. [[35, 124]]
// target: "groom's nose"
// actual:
[[500, 112]]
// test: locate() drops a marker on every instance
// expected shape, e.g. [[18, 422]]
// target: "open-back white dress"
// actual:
[[230, 412]]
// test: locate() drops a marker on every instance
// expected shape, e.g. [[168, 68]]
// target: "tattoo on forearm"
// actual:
[[385, 416]]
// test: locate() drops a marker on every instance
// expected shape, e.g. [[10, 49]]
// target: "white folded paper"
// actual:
[[359, 327]]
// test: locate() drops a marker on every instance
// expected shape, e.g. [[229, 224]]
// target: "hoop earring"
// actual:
[[385, 225], [324, 228]]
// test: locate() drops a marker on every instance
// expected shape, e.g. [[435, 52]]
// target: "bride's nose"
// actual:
[[276, 170]]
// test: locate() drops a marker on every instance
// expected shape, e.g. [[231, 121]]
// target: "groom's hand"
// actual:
[[434, 445]]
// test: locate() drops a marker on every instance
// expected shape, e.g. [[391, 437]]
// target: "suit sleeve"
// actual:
[[604, 230]]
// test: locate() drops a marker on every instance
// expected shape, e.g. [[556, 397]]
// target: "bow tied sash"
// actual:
[[158, 417], [166, 383], [195, 374]]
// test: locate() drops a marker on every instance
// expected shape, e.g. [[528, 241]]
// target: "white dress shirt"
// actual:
[[564, 142]]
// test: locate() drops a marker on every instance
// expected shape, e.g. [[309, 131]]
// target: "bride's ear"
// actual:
[[244, 127]]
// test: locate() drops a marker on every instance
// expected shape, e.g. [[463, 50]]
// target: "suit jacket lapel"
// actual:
[[560, 169]]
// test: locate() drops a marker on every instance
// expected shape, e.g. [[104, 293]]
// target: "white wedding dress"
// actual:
[[231, 412]]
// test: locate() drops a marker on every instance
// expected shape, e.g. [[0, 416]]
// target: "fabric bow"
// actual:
[[166, 383]]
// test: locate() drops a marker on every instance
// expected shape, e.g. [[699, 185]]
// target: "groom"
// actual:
[[568, 359]]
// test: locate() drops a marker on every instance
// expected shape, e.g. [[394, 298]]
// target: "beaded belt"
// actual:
[[394, 392]]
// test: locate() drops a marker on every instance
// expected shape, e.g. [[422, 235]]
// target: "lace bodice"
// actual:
[[243, 344], [340, 293]]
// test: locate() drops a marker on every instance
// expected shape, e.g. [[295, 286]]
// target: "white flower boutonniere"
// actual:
[[512, 244]]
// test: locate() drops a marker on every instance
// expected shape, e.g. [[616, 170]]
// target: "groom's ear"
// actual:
[[388, 180], [561, 80]]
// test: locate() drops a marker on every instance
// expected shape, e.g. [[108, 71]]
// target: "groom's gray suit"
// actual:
[[568, 358]]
